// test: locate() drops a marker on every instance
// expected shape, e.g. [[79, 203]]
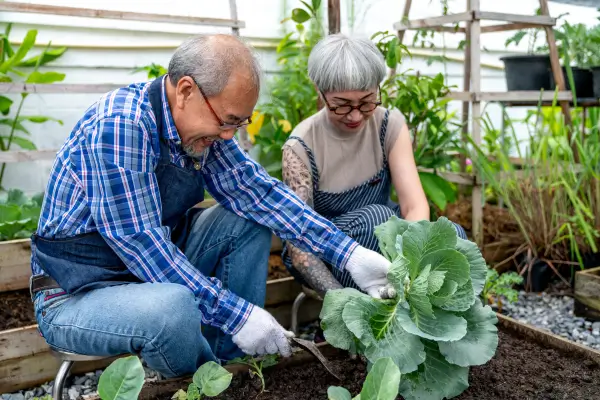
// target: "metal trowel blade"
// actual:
[[310, 346]]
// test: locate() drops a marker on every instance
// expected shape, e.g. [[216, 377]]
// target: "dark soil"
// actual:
[[16, 309], [521, 369]]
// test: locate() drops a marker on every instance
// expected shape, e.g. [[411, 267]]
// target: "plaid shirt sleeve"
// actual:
[[117, 173], [244, 187]]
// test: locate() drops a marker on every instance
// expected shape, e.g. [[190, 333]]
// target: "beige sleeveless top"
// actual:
[[345, 160]]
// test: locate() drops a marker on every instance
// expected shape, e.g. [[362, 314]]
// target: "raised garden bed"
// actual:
[[529, 363], [25, 360]]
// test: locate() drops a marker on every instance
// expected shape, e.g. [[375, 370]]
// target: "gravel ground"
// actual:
[[84, 386], [555, 314]]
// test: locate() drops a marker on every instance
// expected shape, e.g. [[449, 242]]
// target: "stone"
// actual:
[[73, 393], [79, 380]]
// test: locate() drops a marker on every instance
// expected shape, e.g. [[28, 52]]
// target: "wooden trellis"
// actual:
[[472, 96], [37, 155]]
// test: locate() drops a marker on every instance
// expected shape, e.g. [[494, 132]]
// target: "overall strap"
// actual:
[[313, 163], [155, 95], [382, 133]]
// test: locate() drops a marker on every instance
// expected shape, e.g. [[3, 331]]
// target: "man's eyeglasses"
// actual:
[[362, 107], [222, 124]]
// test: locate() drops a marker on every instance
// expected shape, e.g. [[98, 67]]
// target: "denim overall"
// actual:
[[355, 211], [91, 263]]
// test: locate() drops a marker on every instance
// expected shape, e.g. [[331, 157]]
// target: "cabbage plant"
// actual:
[[436, 327]]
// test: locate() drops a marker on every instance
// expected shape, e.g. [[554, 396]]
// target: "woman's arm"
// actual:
[[405, 177], [297, 176]]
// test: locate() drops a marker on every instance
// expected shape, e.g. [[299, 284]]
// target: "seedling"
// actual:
[[381, 383], [256, 365], [437, 326], [501, 286], [123, 380]]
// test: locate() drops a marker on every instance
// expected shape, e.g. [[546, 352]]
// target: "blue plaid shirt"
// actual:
[[103, 180]]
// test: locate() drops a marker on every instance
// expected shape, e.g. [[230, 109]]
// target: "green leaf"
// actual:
[[193, 393], [338, 393], [432, 190], [5, 78], [122, 380], [17, 197], [476, 261], [45, 77], [212, 379], [39, 119], [18, 126], [179, 395], [443, 325], [437, 379], [436, 281], [9, 212], [334, 329], [21, 142], [21, 52], [376, 325], [398, 273], [390, 58], [382, 382], [424, 237], [479, 344], [5, 104], [47, 56], [387, 234], [15, 229], [452, 262], [417, 294], [300, 16], [461, 300]]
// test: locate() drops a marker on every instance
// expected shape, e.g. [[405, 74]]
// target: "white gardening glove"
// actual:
[[262, 334], [369, 270]]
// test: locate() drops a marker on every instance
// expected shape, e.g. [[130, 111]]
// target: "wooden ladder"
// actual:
[[472, 95]]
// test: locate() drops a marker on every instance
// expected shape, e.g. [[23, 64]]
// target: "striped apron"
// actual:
[[355, 211]]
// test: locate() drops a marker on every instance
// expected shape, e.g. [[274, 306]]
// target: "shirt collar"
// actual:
[[171, 129]]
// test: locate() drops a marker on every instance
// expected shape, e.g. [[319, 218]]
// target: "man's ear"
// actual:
[[185, 91]]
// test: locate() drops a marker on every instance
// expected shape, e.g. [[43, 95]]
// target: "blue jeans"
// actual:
[[161, 322]]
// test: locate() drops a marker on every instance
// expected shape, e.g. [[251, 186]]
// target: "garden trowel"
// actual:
[[310, 346]]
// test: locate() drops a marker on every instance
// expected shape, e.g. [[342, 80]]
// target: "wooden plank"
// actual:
[[506, 27], [587, 293], [15, 267], [513, 96], [27, 155], [26, 372], [333, 16], [476, 195], [537, 20], [122, 15], [282, 290], [21, 342], [19, 87], [433, 22], [233, 14], [549, 339]]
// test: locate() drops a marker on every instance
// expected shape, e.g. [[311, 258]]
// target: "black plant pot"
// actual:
[[596, 79], [541, 276], [527, 72], [583, 79]]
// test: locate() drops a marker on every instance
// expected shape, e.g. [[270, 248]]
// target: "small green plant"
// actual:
[[498, 286], [382, 383], [46, 397], [15, 67], [153, 70], [256, 365], [19, 215], [123, 379], [437, 326]]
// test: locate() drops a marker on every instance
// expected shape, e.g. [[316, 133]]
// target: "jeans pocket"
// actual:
[[49, 300]]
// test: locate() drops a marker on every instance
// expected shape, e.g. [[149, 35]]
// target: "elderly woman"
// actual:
[[343, 160]]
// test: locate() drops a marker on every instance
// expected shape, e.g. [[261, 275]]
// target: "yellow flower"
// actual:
[[254, 127], [285, 124]]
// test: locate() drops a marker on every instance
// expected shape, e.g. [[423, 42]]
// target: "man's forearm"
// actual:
[[313, 270]]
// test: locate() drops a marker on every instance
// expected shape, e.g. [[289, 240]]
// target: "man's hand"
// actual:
[[262, 334], [369, 270]]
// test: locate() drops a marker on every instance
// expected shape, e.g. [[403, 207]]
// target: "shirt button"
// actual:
[[197, 166]]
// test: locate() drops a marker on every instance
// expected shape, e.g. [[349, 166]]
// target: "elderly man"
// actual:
[[123, 262]]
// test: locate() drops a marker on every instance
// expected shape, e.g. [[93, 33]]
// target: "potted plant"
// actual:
[[577, 48]]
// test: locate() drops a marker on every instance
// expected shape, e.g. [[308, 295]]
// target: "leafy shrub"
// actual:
[[437, 326], [19, 215]]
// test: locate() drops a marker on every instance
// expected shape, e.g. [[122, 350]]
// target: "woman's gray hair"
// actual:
[[210, 59], [341, 63]]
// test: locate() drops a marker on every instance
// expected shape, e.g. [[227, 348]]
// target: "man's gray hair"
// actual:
[[210, 59], [341, 63]]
